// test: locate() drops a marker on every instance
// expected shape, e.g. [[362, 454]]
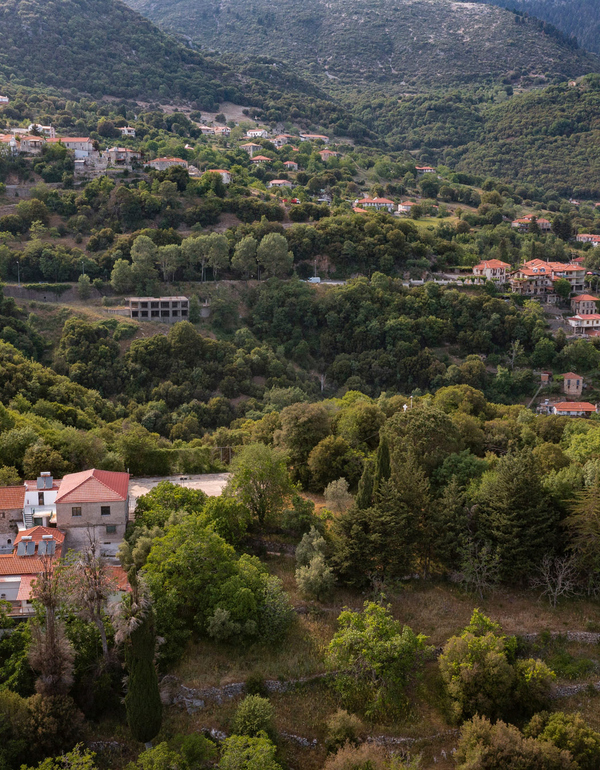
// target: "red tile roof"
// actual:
[[383, 201], [12, 498], [575, 406], [94, 486], [584, 298], [37, 534], [260, 157], [492, 263], [20, 565], [24, 593]]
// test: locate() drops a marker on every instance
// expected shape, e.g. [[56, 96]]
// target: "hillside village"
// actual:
[[299, 390]]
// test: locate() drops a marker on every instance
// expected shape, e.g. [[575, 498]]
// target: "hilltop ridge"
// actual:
[[393, 45]]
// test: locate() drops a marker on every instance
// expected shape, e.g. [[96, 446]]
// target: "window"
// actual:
[[2, 515], [111, 529], [105, 510], [76, 511], [40, 498]]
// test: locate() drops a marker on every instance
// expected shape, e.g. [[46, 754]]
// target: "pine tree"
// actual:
[[583, 526], [364, 494], [142, 702], [516, 515]]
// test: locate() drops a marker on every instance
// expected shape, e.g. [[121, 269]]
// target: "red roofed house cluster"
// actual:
[[41, 518], [492, 270]]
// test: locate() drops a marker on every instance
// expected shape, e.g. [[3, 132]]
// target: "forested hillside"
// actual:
[[578, 18], [394, 46], [550, 136]]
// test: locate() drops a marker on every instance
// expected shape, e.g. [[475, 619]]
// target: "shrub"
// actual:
[[312, 544], [316, 580], [55, 724], [343, 728], [483, 677], [337, 496], [487, 746], [243, 753], [568, 732], [253, 716], [366, 757], [379, 658]]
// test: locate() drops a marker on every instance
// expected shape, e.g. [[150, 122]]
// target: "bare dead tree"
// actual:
[[480, 567], [91, 585], [557, 577], [50, 654]]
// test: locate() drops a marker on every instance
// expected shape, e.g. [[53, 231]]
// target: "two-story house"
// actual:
[[588, 238], [572, 384], [492, 270], [584, 304], [93, 504], [376, 204], [32, 551], [12, 502]]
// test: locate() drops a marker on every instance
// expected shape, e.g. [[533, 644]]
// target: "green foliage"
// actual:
[[260, 481], [483, 678], [568, 732], [241, 752], [378, 657], [77, 759], [142, 701], [487, 746], [343, 728], [254, 715]]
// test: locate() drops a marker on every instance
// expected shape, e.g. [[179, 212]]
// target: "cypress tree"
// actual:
[[142, 702], [383, 467], [364, 494]]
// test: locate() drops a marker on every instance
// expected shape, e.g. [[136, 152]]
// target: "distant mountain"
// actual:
[[579, 18], [396, 45]]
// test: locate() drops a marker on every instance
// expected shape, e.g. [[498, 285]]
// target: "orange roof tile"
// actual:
[[94, 486], [37, 534], [24, 594], [585, 298], [575, 406], [12, 498]]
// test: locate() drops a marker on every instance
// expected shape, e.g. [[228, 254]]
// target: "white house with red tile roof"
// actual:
[[588, 238], [425, 170], [573, 408], [31, 145], [206, 130], [492, 270], [222, 131], [258, 159], [82, 146], [379, 204], [32, 550], [8, 140], [93, 503], [581, 324], [161, 164], [583, 304], [405, 207], [4, 100], [280, 183], [225, 175], [523, 223], [127, 131], [291, 165]]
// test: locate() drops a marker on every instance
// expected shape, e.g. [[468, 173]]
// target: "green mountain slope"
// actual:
[[549, 138], [102, 47], [391, 44], [579, 18]]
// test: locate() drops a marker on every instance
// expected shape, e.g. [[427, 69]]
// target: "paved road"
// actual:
[[211, 483]]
